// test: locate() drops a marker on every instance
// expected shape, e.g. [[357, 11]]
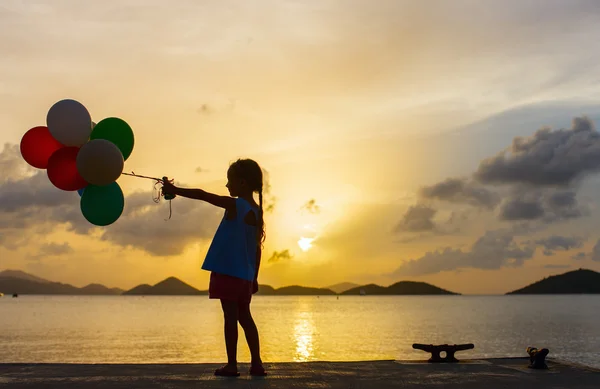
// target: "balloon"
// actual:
[[118, 132], [80, 191], [62, 169], [37, 146], [100, 162], [102, 205], [69, 123]]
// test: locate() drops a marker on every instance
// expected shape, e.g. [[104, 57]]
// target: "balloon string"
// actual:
[[157, 192]]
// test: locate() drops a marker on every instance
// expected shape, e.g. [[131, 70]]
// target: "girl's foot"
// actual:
[[257, 370], [227, 371]]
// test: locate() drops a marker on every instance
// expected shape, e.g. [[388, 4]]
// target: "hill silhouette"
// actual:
[[342, 287], [16, 281], [573, 282], [9, 285], [400, 288], [265, 290], [296, 290], [171, 286], [21, 275]]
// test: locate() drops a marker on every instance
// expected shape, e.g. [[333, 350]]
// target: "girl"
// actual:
[[234, 256]]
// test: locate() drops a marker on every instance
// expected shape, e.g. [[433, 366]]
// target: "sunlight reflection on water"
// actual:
[[303, 335]]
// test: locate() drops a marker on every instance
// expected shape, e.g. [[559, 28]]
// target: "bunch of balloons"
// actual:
[[82, 156]]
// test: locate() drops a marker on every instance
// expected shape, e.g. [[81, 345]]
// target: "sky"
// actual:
[[450, 142]]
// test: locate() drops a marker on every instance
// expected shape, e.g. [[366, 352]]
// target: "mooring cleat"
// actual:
[[435, 351], [537, 358]]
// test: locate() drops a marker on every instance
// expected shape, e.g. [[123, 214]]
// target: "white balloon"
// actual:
[[69, 122], [100, 162]]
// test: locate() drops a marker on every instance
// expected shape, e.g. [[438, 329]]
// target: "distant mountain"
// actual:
[[139, 290], [295, 290], [22, 276], [574, 282], [400, 288], [97, 289], [265, 290], [21, 286], [16, 281], [342, 287], [169, 287]]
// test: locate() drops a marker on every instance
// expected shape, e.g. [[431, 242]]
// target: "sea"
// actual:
[[189, 329]]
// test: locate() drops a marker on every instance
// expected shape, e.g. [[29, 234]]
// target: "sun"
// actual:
[[305, 243]]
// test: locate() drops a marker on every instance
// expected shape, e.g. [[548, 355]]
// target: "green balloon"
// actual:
[[118, 132], [102, 205]]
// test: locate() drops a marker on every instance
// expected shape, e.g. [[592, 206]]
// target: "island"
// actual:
[[580, 281], [404, 288]]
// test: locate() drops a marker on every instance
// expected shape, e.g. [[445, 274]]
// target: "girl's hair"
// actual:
[[249, 171]]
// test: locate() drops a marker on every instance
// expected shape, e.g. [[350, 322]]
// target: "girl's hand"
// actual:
[[168, 188], [254, 286]]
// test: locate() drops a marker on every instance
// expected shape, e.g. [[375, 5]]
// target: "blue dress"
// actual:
[[233, 248]]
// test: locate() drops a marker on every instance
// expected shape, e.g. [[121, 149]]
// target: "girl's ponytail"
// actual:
[[261, 221]]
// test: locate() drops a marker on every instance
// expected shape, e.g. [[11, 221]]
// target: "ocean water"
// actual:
[[131, 329]]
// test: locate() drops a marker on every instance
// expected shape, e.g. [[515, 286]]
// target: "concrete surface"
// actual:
[[489, 374]]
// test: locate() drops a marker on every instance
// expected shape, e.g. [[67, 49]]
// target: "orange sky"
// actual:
[[356, 106]]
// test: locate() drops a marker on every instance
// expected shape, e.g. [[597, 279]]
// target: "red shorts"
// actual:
[[224, 287]]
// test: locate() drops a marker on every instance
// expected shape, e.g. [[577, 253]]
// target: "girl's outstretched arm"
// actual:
[[226, 202]]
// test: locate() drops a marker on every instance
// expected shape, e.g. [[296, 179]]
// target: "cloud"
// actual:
[[417, 218], [536, 179], [11, 163], [493, 250], [311, 207], [200, 170], [31, 206], [52, 249], [278, 256], [546, 204], [459, 190], [520, 209], [547, 158], [596, 252], [579, 256], [551, 266], [556, 242]]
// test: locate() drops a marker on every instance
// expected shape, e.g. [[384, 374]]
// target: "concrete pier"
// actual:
[[486, 373]]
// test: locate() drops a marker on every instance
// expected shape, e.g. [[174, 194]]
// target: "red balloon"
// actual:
[[62, 170], [37, 146]]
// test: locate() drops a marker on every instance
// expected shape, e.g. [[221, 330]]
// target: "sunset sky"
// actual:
[[400, 137]]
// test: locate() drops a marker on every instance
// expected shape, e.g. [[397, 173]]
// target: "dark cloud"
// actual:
[[493, 250], [459, 190], [33, 191], [311, 206], [280, 256], [547, 158], [557, 242], [520, 209], [547, 205], [31, 206], [417, 218]]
